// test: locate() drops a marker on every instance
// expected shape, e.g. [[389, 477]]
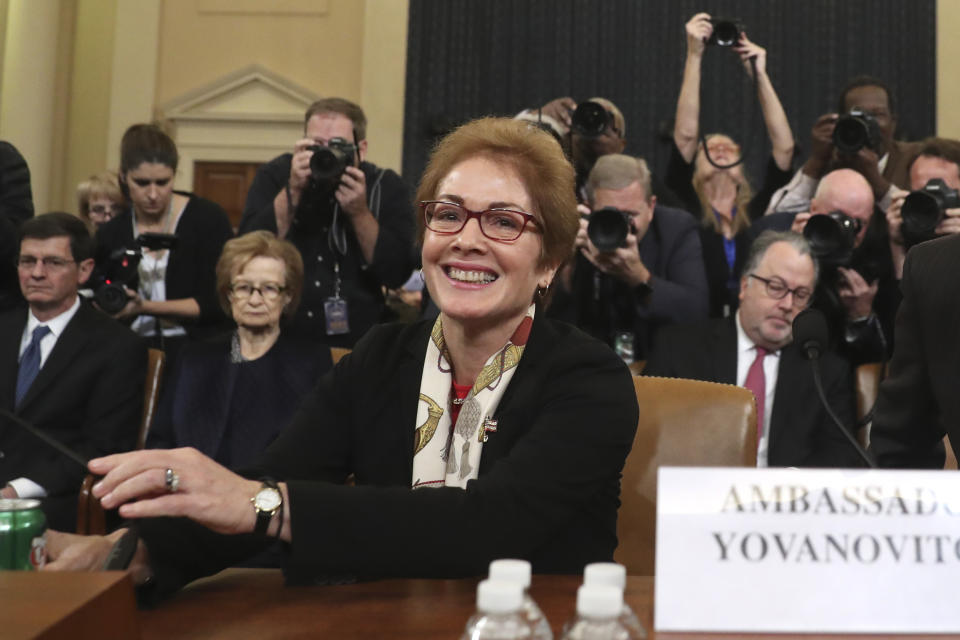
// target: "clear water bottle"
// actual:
[[615, 575], [598, 615], [519, 571], [499, 613]]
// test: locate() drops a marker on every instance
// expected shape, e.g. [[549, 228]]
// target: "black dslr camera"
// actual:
[[328, 163], [591, 119], [608, 228], [856, 130], [120, 271], [726, 31], [832, 237], [924, 209]]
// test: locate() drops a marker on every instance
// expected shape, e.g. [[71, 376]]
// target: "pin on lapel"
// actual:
[[489, 426]]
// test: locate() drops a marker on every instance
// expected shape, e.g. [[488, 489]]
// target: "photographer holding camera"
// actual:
[[858, 289], [722, 196], [350, 220], [858, 136], [932, 207], [639, 264]]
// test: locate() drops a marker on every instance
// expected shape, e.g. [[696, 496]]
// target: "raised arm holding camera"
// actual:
[[711, 182], [350, 220]]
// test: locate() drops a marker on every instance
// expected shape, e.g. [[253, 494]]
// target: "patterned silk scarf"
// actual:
[[447, 454]]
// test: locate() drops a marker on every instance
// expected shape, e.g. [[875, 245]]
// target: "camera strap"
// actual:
[[750, 134]]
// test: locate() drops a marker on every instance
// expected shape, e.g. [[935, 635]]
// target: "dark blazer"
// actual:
[[232, 412], [548, 486], [88, 395], [919, 402], [801, 433], [201, 232]]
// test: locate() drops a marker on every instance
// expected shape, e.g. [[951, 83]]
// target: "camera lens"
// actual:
[[111, 298], [608, 228], [590, 119], [831, 237], [727, 33], [851, 134], [921, 214], [327, 164]]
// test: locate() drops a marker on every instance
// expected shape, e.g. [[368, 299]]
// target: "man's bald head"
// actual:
[[847, 191]]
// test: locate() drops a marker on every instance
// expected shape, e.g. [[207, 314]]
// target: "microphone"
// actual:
[[811, 334], [20, 422]]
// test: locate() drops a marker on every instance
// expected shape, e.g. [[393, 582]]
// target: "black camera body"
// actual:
[[832, 238], [856, 130], [608, 228], [924, 209], [591, 119], [328, 163], [726, 31], [120, 271]]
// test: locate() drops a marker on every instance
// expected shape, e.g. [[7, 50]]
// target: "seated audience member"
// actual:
[[754, 349], [917, 403], [99, 199], [173, 292], [936, 158], [723, 197], [229, 397], [66, 368], [883, 165], [858, 292], [353, 227], [492, 432], [16, 205], [654, 278]]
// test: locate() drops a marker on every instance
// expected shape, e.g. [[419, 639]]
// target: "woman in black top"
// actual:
[[724, 198], [172, 292]]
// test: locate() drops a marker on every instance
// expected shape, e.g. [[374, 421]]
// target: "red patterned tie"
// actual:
[[757, 383]]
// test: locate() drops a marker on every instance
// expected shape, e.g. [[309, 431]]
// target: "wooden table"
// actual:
[[253, 603]]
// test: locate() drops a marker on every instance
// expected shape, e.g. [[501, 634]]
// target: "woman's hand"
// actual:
[[70, 552], [206, 492], [134, 305], [747, 50], [699, 28]]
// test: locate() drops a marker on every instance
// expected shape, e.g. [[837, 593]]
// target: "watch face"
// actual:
[[267, 499]]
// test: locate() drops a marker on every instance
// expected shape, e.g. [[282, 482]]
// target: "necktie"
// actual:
[[30, 363], [757, 383]]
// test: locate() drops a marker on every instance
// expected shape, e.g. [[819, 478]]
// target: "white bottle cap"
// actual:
[[511, 571], [499, 597], [609, 573], [599, 601]]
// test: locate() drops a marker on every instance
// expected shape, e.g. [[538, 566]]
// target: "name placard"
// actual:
[[813, 550]]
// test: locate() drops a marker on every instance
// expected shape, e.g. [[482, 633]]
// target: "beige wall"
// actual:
[[948, 79]]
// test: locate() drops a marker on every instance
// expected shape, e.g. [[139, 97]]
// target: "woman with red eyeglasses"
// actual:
[[711, 186], [490, 432]]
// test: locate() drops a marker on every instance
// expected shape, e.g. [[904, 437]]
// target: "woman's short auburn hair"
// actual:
[[538, 160], [259, 244]]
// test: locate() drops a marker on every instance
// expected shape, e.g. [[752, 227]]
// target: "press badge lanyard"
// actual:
[[335, 308]]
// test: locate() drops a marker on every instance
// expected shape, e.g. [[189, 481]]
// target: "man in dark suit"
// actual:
[[66, 368], [754, 349], [919, 401], [655, 277]]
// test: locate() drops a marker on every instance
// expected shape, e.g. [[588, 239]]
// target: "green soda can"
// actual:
[[22, 535]]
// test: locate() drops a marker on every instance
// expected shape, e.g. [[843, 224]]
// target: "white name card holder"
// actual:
[[809, 551]]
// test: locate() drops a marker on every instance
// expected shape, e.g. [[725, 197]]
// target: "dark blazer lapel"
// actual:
[[68, 346], [724, 350], [790, 384], [408, 376], [11, 332]]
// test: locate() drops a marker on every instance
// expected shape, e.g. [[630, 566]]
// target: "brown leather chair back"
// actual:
[[338, 352], [682, 423], [91, 518]]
